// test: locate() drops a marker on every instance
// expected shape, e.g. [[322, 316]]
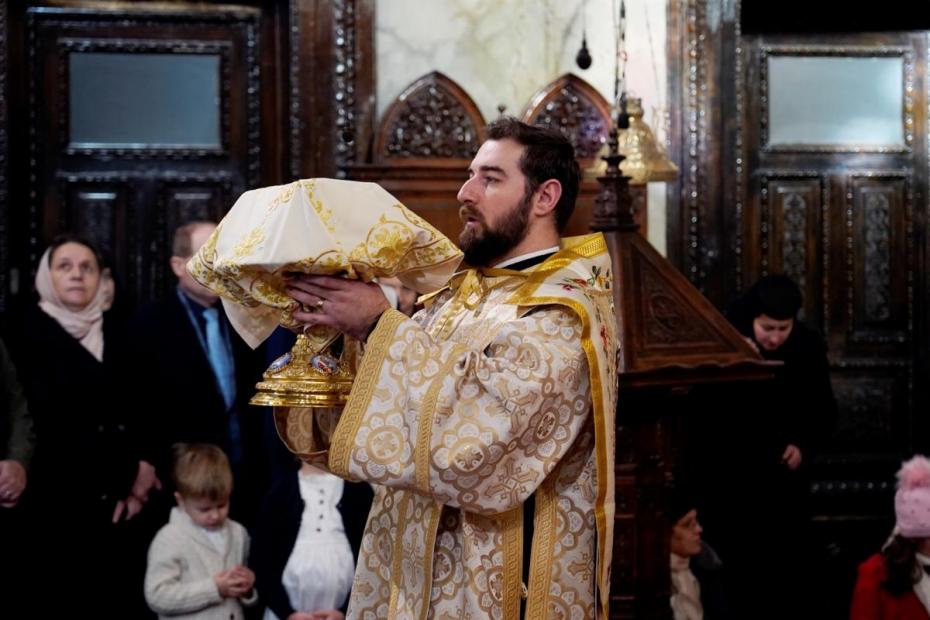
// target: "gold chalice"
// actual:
[[318, 371]]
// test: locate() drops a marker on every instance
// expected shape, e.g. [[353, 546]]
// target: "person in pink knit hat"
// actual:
[[894, 584]]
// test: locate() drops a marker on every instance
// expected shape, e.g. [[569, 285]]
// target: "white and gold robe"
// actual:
[[504, 386]]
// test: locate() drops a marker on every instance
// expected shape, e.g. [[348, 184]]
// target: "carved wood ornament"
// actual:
[[432, 119]]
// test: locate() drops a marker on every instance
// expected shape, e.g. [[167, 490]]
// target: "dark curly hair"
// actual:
[[901, 564]]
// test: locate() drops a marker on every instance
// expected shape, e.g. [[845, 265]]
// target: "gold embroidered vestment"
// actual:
[[502, 387]]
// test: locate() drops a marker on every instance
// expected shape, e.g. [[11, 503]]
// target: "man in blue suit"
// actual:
[[195, 377]]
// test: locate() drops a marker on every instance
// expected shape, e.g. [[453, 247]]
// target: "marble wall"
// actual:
[[502, 51]]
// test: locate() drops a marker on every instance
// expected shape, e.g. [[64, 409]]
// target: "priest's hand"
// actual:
[[350, 306]]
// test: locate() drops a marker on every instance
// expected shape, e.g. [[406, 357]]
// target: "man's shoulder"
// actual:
[[160, 307], [164, 313]]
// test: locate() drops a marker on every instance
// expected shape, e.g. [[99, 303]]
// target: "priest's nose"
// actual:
[[466, 195]]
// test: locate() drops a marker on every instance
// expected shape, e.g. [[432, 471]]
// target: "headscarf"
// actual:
[[86, 325], [686, 590]]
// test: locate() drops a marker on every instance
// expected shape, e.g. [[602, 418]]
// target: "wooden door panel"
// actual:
[[744, 187], [873, 405], [792, 229], [879, 261], [839, 219], [98, 207], [117, 167]]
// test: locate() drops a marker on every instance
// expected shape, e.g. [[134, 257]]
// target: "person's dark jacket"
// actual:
[[82, 418], [276, 533], [798, 403], [181, 402], [17, 435]]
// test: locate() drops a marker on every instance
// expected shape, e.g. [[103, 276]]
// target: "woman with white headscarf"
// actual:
[[86, 478]]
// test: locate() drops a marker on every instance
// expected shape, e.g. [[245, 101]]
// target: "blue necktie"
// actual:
[[221, 361]]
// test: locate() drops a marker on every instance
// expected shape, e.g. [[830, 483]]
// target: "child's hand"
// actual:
[[301, 615], [235, 582], [244, 580], [329, 614], [226, 582]]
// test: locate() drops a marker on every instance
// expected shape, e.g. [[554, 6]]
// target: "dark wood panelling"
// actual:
[[872, 401], [848, 222], [879, 259], [129, 198], [97, 208], [4, 158], [704, 207], [422, 149], [331, 85], [791, 227], [185, 203]]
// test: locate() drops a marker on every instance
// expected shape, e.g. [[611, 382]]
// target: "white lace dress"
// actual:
[[319, 572]]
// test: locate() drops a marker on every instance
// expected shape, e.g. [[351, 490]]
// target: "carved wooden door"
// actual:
[[834, 194], [141, 117]]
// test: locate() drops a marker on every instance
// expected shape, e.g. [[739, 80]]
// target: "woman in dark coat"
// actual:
[[86, 479], [758, 441]]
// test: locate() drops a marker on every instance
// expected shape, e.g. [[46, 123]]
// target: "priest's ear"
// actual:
[[546, 198]]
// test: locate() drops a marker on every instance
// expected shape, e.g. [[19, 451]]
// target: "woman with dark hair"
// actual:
[[696, 570], [893, 584], [757, 442], [86, 476], [801, 398]]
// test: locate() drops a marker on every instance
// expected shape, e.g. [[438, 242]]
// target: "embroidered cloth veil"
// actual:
[[315, 226]]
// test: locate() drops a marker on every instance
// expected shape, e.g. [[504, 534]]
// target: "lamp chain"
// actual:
[[620, 46]]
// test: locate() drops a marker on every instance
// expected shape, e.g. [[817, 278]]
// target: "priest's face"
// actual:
[[495, 207]]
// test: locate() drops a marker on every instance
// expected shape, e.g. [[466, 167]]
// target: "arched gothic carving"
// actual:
[[433, 118], [575, 108]]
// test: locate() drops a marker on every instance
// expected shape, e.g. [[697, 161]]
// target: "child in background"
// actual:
[[893, 584], [196, 564], [307, 539]]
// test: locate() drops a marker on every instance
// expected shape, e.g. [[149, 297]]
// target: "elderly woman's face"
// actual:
[[75, 275]]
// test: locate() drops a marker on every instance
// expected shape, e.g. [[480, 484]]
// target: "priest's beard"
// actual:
[[482, 244]]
